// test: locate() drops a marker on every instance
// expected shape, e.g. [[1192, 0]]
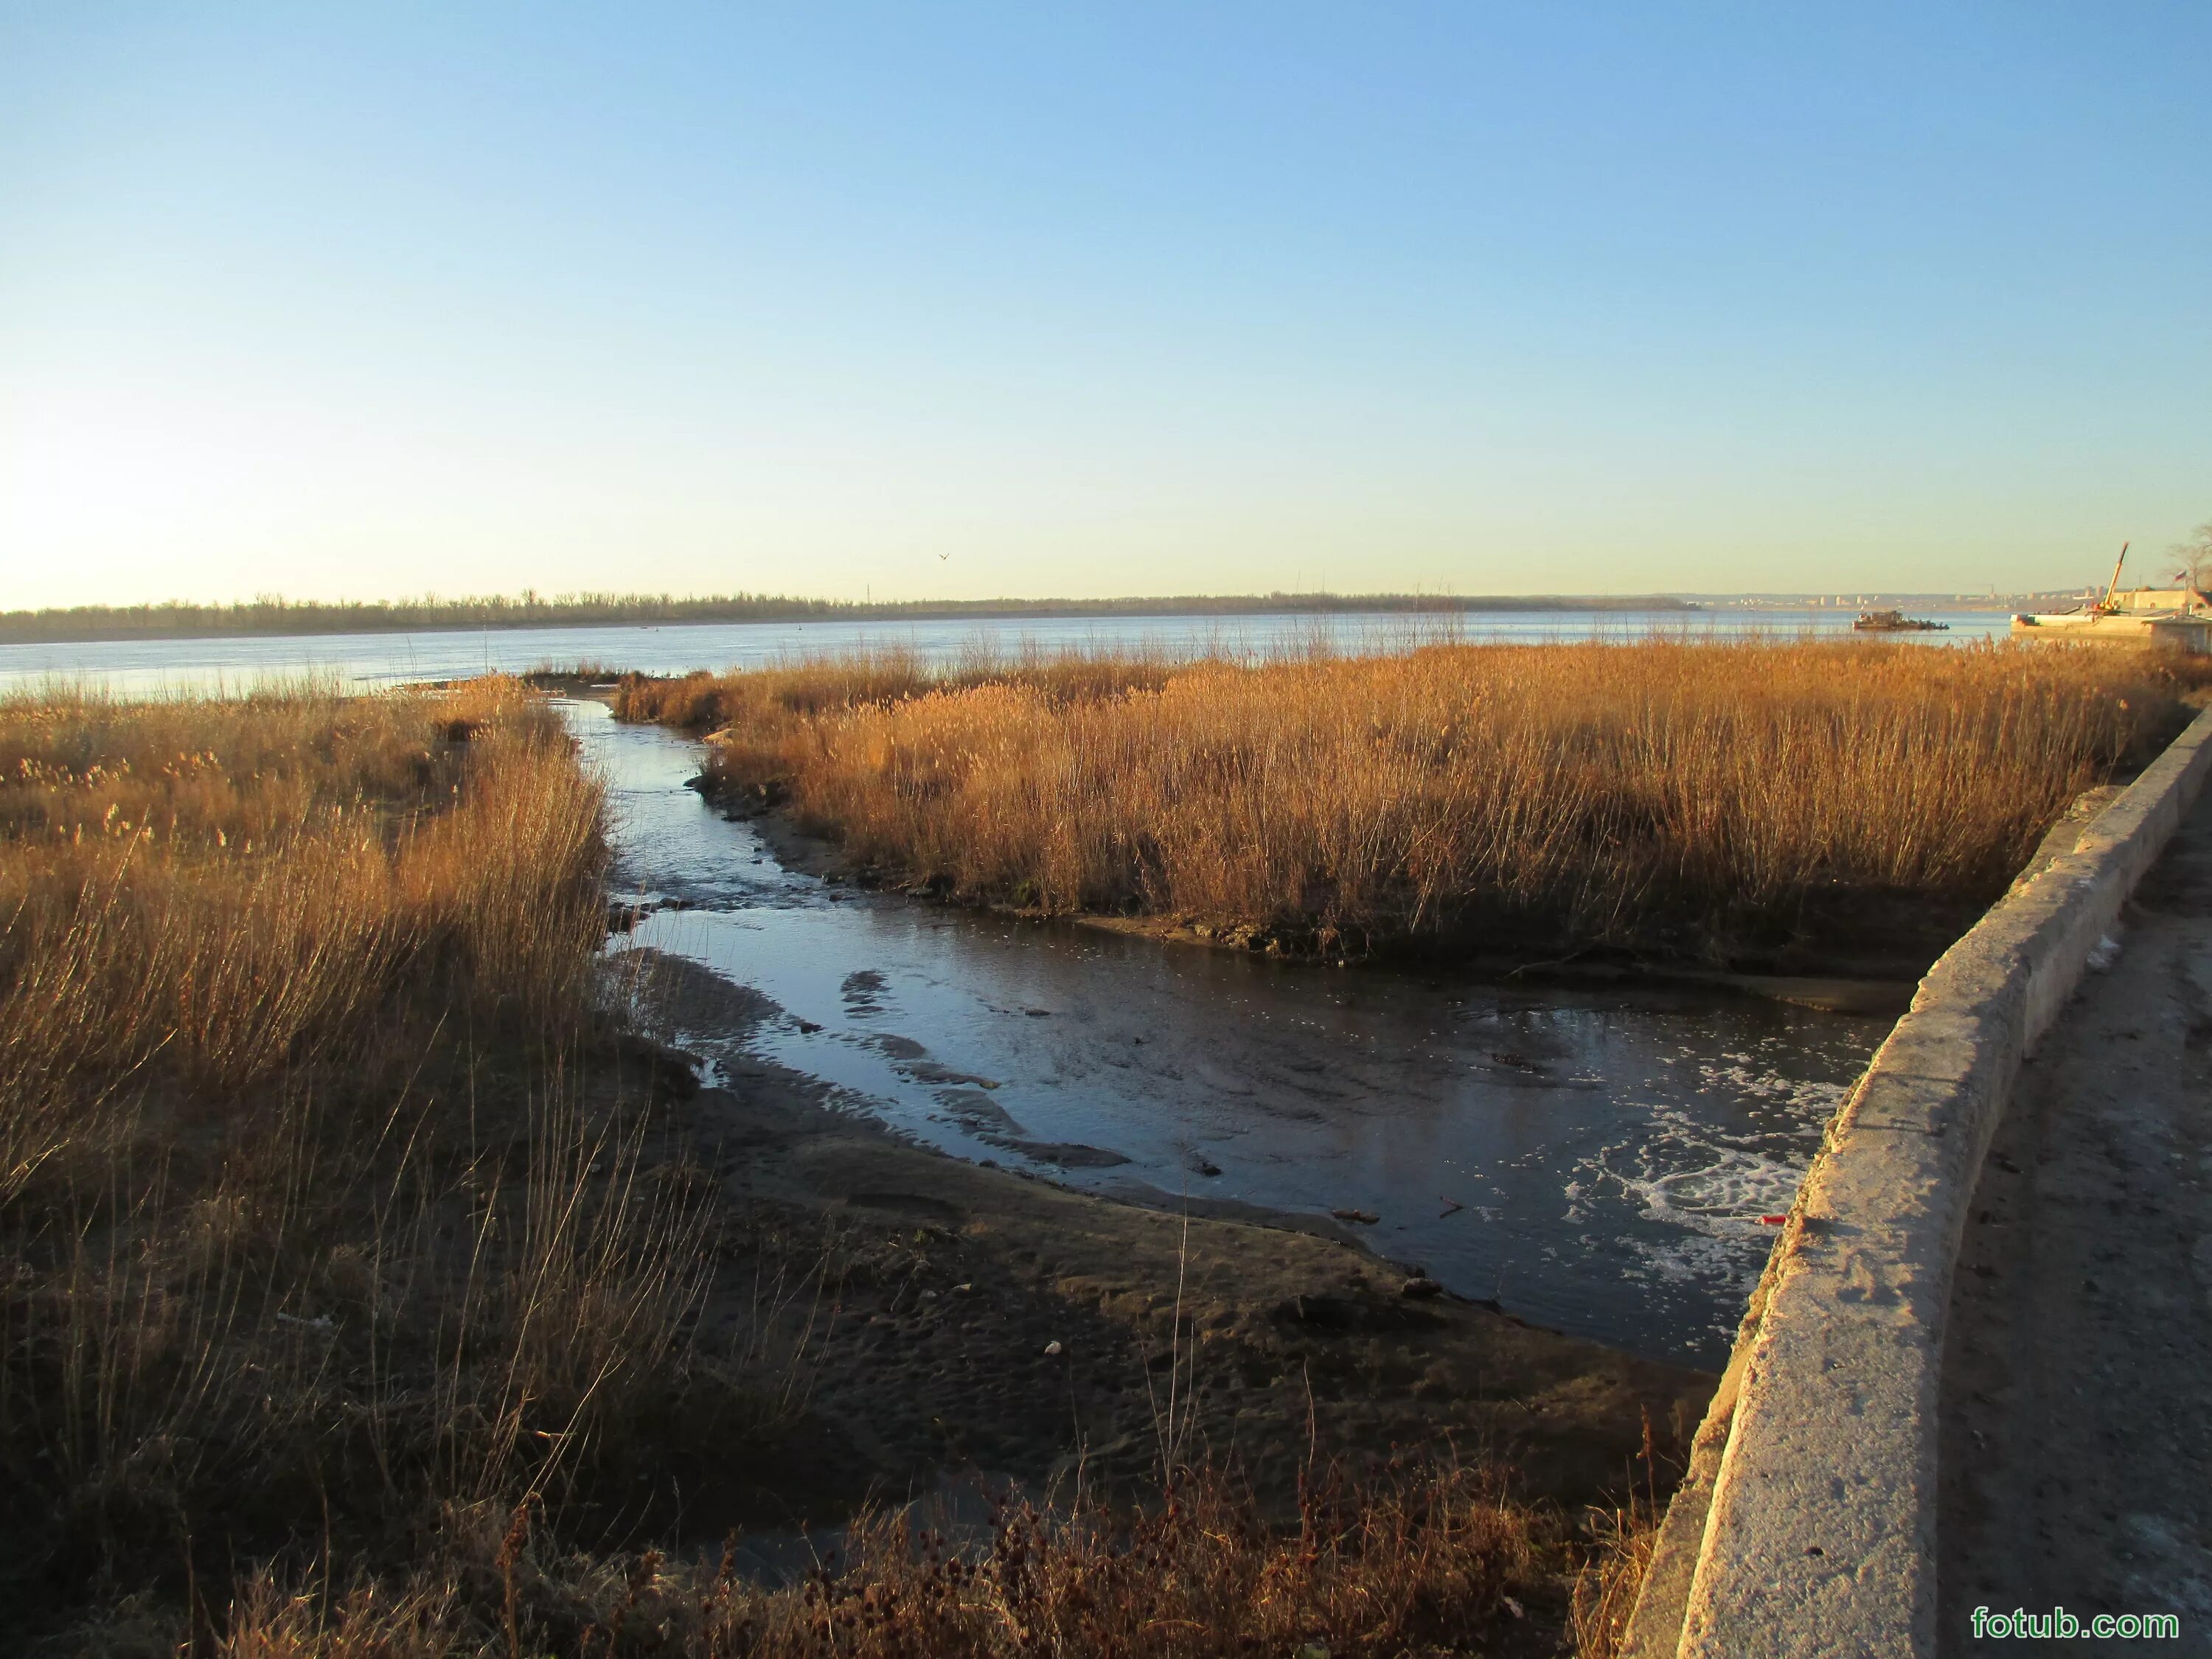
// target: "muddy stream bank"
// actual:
[[1597, 1162]]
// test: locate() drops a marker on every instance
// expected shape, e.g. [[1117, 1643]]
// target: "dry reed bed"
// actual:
[[224, 883], [1698, 799], [1415, 1562], [348, 1299], [305, 1212]]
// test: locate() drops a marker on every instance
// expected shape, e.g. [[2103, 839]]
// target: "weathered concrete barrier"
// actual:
[[1806, 1524]]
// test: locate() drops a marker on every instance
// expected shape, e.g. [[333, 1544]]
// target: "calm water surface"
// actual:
[[1597, 1161], [372, 659]]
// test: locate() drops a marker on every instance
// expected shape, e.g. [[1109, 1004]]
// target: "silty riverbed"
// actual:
[[1598, 1161]]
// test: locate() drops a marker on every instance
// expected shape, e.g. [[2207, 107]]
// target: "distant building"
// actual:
[[2143, 601]]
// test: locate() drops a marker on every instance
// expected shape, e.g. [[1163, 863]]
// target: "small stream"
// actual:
[[1598, 1161]]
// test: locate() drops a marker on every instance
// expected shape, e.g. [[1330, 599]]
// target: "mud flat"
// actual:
[[1008, 1325]]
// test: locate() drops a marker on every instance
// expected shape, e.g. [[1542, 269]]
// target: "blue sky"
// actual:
[[976, 299]]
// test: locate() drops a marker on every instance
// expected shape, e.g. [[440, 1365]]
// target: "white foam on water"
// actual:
[[1722, 1198], [1709, 1178]]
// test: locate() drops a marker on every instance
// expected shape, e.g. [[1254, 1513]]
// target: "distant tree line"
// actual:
[[274, 614]]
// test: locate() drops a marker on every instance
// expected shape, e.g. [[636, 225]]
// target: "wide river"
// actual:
[[370, 659], [1597, 1161]]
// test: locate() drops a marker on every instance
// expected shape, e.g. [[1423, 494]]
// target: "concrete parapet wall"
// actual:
[[1806, 1524]]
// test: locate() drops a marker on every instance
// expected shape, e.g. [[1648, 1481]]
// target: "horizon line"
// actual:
[[272, 613]]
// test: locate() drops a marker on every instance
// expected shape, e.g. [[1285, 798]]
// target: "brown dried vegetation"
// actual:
[[1409, 1562], [351, 1265], [306, 1212], [1709, 801]]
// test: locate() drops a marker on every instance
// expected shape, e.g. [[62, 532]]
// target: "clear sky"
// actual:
[[969, 300]]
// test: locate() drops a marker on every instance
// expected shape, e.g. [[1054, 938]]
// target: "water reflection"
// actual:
[[145, 668], [1598, 1161]]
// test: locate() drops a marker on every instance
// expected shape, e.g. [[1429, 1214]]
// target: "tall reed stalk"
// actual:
[[314, 1218], [1683, 795]]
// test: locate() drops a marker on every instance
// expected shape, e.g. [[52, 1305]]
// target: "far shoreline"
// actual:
[[174, 621]]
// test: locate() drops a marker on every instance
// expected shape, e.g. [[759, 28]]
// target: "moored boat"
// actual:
[[2187, 632], [2178, 618]]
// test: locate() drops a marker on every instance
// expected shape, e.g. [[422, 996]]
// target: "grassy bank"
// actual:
[[303, 1194], [368, 1293], [1761, 804]]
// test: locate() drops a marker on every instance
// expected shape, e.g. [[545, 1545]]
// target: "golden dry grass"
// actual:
[[1701, 799], [306, 1211], [347, 1302], [235, 886], [1419, 1561], [1622, 1542], [1605, 1588]]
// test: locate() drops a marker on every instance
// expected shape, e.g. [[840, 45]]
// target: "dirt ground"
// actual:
[[939, 1317], [2077, 1426]]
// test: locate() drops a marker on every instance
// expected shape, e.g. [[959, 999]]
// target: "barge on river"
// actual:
[[1896, 621]]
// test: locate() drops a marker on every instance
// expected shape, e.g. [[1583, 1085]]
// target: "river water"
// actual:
[[142, 667], [1597, 1161]]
